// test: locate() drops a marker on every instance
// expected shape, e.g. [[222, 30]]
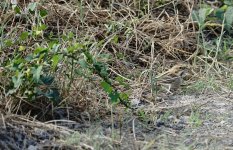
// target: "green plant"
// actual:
[[33, 69], [208, 17], [195, 119], [101, 70], [142, 115], [200, 17], [203, 85], [28, 72]]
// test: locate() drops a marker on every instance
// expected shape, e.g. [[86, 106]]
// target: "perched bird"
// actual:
[[173, 81], [172, 71]]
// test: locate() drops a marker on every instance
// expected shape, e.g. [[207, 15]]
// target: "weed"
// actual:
[[209, 17], [195, 119], [230, 83], [165, 116], [203, 85], [33, 68], [142, 115]]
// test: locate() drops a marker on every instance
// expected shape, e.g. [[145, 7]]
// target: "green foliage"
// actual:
[[201, 15], [101, 70], [142, 115], [229, 18], [107, 88], [28, 75], [215, 18], [201, 86], [195, 119], [32, 69], [208, 16]]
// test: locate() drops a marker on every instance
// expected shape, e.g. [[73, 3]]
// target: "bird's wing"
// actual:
[[168, 80]]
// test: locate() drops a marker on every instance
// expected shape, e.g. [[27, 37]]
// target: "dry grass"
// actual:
[[146, 42]]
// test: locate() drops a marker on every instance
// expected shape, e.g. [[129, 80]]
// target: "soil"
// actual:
[[186, 121]]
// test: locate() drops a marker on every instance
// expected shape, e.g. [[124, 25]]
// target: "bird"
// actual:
[[173, 81], [173, 71]]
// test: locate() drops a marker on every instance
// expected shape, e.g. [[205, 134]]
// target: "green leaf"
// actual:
[[71, 49], [55, 61], [17, 80], [52, 44], [201, 14], [36, 73], [18, 63], [229, 18], [83, 63], [219, 13], [75, 47], [48, 80], [124, 96], [23, 36], [42, 27], [100, 43], [114, 96], [115, 39], [224, 7], [38, 32], [102, 69], [53, 94], [107, 87], [228, 2], [40, 50], [88, 56], [64, 37], [8, 42], [22, 48], [78, 46], [55, 48], [16, 9], [119, 79], [29, 57], [43, 13], [70, 35]]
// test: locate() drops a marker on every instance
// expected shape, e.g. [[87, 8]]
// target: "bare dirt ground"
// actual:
[[185, 122], [193, 122]]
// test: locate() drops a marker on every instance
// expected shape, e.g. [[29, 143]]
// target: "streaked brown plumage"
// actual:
[[173, 81]]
